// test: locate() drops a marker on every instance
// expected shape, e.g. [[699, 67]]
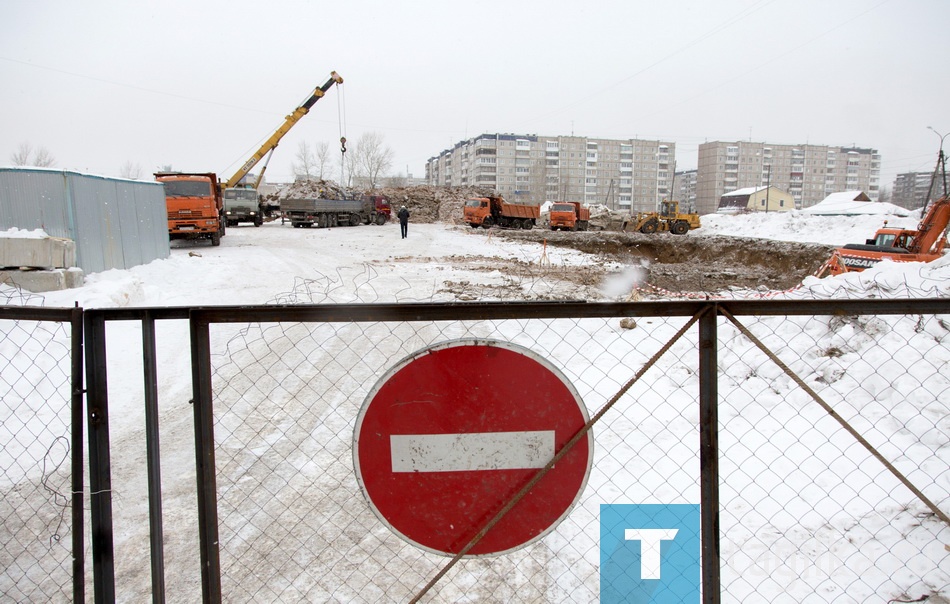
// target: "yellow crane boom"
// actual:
[[271, 143]]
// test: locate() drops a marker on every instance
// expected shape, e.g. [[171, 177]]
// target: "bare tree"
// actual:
[[322, 158], [130, 171], [305, 164], [371, 158], [884, 194], [26, 156], [21, 157]]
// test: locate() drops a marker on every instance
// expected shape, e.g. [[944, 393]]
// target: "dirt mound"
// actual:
[[695, 263]]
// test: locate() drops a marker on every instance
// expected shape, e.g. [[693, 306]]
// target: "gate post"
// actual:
[[100, 463], [709, 456], [204, 459]]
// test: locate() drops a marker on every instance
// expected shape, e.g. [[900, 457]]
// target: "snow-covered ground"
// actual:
[[846, 557]]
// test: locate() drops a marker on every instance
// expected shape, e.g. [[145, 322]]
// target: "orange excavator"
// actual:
[[926, 244], [898, 245]]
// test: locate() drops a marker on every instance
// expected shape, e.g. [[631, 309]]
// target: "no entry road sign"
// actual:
[[447, 437]]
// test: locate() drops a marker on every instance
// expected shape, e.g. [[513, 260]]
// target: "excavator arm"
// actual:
[[271, 143]]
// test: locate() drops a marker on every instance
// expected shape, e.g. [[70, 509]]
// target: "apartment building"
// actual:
[[628, 175], [911, 189], [808, 172], [684, 189]]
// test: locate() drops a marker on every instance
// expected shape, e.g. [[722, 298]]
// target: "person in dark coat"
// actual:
[[403, 216]]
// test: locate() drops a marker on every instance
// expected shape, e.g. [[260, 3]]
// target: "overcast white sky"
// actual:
[[199, 85]]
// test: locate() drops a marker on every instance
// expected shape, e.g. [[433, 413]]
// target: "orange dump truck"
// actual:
[[486, 212], [569, 216], [195, 206]]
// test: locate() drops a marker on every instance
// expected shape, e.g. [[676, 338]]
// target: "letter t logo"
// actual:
[[650, 540]]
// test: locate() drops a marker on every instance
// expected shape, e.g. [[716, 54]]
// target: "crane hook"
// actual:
[[342, 144]]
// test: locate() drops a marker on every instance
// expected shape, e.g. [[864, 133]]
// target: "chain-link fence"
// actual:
[[38, 458], [814, 505], [829, 435]]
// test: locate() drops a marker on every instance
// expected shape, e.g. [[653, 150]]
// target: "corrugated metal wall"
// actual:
[[115, 223]]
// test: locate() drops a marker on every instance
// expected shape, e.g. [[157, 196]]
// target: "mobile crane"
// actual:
[[271, 143], [240, 204]]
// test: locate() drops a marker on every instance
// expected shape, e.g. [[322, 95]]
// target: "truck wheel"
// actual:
[[381, 219], [216, 238], [258, 221], [528, 224], [473, 225], [679, 227], [354, 219], [649, 227], [488, 222]]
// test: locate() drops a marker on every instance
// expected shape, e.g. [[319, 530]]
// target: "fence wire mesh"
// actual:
[[35, 470], [807, 513]]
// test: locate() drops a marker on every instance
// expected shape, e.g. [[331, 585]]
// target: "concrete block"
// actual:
[[36, 252], [43, 281]]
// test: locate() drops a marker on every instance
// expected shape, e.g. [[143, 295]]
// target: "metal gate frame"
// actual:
[[706, 312]]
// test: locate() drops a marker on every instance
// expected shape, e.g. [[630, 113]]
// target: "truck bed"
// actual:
[[320, 205]]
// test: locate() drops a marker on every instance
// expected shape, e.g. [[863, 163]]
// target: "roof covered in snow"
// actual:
[[853, 203]]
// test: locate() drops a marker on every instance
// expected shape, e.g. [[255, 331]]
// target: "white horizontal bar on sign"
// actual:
[[472, 451]]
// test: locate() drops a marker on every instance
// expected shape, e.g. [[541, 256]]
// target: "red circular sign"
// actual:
[[447, 437]]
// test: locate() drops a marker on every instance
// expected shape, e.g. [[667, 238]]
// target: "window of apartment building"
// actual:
[[549, 145]]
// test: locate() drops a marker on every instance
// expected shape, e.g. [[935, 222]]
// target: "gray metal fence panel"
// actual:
[[116, 223]]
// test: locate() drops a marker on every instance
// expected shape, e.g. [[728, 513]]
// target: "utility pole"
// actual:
[[941, 167]]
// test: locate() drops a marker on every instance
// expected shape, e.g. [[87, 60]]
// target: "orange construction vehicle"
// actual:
[[486, 212], [569, 216], [195, 206], [898, 245]]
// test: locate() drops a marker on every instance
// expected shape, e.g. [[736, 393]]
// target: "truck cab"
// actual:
[[242, 205], [568, 216], [194, 205]]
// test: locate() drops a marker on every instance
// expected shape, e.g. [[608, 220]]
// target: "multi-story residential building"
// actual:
[[684, 189], [911, 189], [808, 172], [628, 175]]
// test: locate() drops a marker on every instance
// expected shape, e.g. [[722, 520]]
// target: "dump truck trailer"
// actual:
[[487, 212], [323, 213]]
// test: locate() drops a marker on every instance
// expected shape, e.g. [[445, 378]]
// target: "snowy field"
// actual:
[[781, 544]]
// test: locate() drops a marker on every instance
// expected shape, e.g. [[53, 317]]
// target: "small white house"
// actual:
[[756, 199]]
